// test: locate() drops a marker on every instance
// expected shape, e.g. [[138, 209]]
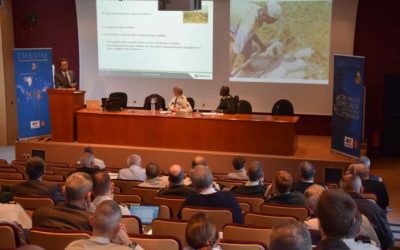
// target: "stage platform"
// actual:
[[313, 148]]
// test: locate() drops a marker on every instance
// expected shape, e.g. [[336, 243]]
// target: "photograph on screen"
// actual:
[[136, 39], [280, 41]]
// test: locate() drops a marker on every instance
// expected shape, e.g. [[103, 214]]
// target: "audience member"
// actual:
[[71, 215], [353, 185], [367, 162], [34, 186], [199, 160], [337, 213], [240, 172], [307, 172], [176, 187], [279, 192], [153, 179], [207, 196], [255, 184], [202, 233], [107, 233], [290, 236], [373, 186], [311, 197], [95, 162], [134, 170], [103, 191], [13, 213]]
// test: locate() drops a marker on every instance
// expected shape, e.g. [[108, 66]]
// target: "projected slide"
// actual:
[[285, 41], [135, 39]]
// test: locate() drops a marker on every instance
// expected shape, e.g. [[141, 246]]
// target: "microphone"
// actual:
[[203, 107], [133, 108]]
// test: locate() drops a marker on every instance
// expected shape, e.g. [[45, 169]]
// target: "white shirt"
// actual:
[[134, 172], [157, 182], [98, 243], [180, 103], [14, 213], [209, 190], [240, 174], [99, 199], [66, 74], [356, 245], [96, 162]]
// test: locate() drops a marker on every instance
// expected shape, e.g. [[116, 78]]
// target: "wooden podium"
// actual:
[[62, 105]]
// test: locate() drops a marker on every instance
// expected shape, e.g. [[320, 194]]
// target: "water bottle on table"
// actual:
[[153, 102]]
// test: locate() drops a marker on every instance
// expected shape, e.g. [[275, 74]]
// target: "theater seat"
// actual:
[[169, 227], [247, 233], [221, 217], [33, 203], [301, 213], [9, 236], [241, 245], [147, 194], [127, 198], [132, 223], [125, 185], [254, 201], [157, 242], [55, 239], [175, 203], [258, 219]]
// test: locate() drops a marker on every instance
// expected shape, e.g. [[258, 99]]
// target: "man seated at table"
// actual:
[[153, 179], [64, 78], [103, 191], [73, 214], [279, 192], [34, 186], [307, 173], [179, 102], [255, 184], [96, 163], [176, 186], [134, 171], [108, 232], [207, 196], [239, 173], [226, 104]]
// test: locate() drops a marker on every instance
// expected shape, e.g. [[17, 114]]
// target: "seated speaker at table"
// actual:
[[64, 78], [179, 102], [226, 104]]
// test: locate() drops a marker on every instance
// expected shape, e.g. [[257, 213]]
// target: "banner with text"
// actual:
[[348, 105], [33, 76]]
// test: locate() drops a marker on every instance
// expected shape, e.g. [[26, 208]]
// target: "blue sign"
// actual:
[[33, 76], [348, 105]]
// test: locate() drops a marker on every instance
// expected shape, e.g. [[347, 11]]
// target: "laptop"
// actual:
[[93, 105], [333, 175], [146, 213]]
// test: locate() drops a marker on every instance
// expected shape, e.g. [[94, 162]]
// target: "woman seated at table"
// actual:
[[179, 103]]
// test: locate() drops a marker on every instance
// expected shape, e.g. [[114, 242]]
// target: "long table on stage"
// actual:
[[262, 134]]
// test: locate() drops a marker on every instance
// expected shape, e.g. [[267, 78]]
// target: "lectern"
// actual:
[[63, 104]]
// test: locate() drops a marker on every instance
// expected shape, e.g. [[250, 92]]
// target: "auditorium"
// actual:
[[199, 124]]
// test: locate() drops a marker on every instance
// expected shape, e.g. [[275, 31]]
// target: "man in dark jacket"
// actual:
[[377, 217], [207, 196], [176, 186], [255, 184], [35, 187], [279, 192]]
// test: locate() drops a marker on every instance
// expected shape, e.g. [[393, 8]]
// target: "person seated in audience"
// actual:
[[103, 191], [338, 217], [89, 154], [73, 214], [13, 213], [201, 233], [279, 192], [240, 173], [367, 162], [86, 164], [307, 172], [255, 184], [134, 170], [179, 102], [353, 186], [311, 197], [373, 186], [176, 187], [199, 160], [153, 179], [207, 196], [108, 232], [34, 186], [290, 236]]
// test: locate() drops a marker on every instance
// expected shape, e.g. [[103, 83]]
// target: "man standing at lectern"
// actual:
[[64, 78]]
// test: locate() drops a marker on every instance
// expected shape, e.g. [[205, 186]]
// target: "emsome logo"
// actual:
[[35, 124], [348, 142]]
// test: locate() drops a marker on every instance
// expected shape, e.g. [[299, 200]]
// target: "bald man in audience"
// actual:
[[176, 187], [307, 172], [153, 179], [199, 160], [373, 186], [134, 172], [290, 236], [353, 186], [311, 197], [73, 214], [255, 184], [107, 233], [279, 192], [208, 196], [103, 190]]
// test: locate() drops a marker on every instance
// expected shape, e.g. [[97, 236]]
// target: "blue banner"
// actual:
[[348, 105], [33, 76]]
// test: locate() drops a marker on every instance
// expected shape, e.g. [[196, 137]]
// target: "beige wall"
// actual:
[[8, 115]]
